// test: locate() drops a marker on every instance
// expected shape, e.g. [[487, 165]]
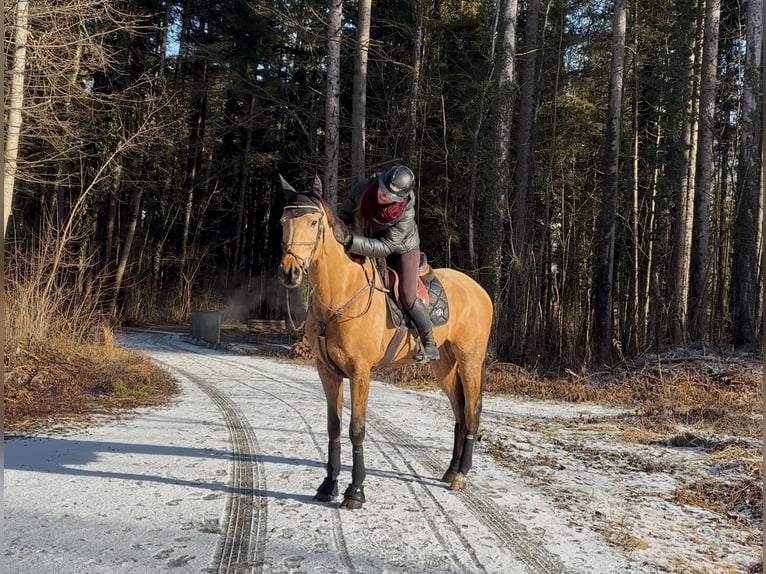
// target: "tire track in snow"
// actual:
[[241, 548], [435, 530], [338, 535], [511, 533]]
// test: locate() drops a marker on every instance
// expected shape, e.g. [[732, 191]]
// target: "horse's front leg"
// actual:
[[353, 497], [333, 390]]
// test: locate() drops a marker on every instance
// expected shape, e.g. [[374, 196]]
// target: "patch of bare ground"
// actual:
[[61, 384]]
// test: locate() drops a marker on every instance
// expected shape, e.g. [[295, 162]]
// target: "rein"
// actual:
[[370, 286], [339, 312]]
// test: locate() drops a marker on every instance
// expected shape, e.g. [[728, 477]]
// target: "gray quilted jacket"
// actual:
[[375, 240]]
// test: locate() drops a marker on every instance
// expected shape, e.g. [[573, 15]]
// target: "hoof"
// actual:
[[351, 504], [353, 498], [449, 476], [459, 482], [327, 491]]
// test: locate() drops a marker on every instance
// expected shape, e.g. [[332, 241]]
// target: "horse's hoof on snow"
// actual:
[[449, 476], [459, 482], [327, 491], [351, 504], [353, 498]]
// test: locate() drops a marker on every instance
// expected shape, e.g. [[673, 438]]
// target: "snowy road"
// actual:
[[223, 479]]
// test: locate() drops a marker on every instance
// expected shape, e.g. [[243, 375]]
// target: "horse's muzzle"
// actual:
[[290, 275]]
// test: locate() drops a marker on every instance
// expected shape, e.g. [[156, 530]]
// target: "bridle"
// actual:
[[306, 262], [287, 248]]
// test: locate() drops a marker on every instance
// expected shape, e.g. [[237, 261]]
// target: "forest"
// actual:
[[595, 165]]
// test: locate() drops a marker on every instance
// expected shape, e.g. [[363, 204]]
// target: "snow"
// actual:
[[222, 480]]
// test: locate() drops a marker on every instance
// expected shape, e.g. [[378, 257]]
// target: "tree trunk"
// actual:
[[412, 112], [125, 253], [602, 283], [332, 102], [244, 179], [111, 214], [520, 210], [703, 193], [744, 290], [497, 205], [683, 211], [15, 102], [359, 102], [475, 148]]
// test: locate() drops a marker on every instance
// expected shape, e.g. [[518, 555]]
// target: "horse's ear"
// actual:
[[286, 187], [317, 189]]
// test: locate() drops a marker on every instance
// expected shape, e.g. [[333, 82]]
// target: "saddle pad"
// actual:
[[438, 308]]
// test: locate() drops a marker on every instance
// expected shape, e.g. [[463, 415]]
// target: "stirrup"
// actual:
[[423, 357]]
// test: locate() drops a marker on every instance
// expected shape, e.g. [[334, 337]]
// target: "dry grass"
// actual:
[[62, 382], [60, 361]]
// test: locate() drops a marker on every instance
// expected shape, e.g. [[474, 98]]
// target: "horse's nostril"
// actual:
[[290, 277]]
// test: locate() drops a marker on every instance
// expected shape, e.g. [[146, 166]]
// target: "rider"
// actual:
[[384, 208]]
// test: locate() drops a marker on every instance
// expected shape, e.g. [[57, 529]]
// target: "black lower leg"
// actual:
[[466, 458], [329, 487], [457, 443], [355, 490], [333, 459]]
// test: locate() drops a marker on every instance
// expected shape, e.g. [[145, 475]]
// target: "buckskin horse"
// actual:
[[352, 331]]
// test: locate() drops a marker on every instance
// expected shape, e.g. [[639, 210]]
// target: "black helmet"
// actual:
[[397, 182]]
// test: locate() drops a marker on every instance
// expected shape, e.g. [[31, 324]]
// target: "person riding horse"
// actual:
[[383, 208]]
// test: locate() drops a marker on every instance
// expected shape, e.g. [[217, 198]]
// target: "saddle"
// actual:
[[429, 290]]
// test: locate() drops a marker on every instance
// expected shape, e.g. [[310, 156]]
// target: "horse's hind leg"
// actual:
[[457, 450], [470, 379], [447, 375], [461, 382], [333, 390]]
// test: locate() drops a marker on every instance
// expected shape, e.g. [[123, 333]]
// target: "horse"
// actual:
[[350, 330]]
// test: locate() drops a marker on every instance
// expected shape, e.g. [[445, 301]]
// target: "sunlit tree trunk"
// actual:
[[497, 206], [604, 264], [15, 102], [703, 193], [412, 106], [125, 252], [332, 102], [683, 211], [359, 101]]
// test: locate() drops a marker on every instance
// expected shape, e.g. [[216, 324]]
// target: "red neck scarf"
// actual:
[[378, 209]]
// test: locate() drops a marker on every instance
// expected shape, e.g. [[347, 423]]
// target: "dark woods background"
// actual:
[[610, 205]]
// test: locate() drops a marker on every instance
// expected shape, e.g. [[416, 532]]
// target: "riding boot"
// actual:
[[422, 321]]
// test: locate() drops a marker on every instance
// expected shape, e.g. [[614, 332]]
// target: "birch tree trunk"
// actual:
[[15, 102], [359, 102], [602, 283], [703, 193], [332, 102], [745, 233]]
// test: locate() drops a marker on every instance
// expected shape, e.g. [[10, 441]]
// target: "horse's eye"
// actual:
[[315, 223]]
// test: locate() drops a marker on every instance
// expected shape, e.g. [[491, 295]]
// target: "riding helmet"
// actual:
[[397, 182]]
